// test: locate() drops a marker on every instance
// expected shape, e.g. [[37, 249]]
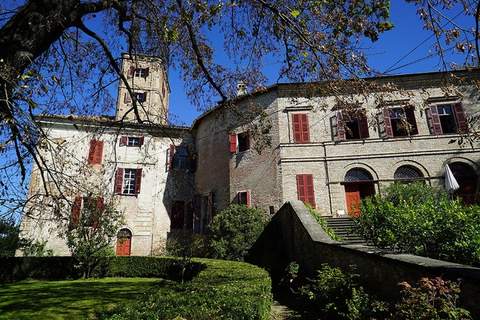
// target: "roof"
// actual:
[[404, 81], [110, 122]]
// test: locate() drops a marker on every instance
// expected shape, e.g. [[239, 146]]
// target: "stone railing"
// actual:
[[293, 235]]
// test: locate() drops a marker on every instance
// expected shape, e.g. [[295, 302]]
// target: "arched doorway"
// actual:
[[124, 242], [407, 174], [358, 185], [467, 180]]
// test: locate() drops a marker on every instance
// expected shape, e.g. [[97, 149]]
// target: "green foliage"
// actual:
[[224, 290], [90, 238], [419, 219], [321, 221], [234, 230], [9, 239], [45, 268], [337, 295], [31, 248], [431, 299], [187, 244]]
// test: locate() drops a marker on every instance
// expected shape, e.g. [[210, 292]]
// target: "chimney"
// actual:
[[241, 88]]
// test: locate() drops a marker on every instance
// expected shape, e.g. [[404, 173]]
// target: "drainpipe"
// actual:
[[327, 176]]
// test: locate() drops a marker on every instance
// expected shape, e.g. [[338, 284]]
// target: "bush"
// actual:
[[432, 299], [337, 295], [234, 230], [59, 268], [323, 223], [419, 219], [224, 290]]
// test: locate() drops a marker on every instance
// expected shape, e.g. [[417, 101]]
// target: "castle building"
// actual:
[[304, 142]]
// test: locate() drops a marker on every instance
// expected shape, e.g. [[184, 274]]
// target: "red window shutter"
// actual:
[[147, 71], [305, 128], [462, 124], [138, 180], [123, 140], [131, 71], [76, 207], [119, 181], [341, 135], [310, 192], [301, 193], [142, 139], [410, 115], [363, 124], [387, 123], [434, 120], [233, 143], [248, 198], [170, 155], [297, 128], [91, 151], [98, 152], [100, 207]]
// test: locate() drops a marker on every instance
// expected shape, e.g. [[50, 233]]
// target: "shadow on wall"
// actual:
[[293, 235]]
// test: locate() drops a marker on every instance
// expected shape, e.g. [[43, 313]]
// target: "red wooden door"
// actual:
[[353, 197], [124, 246]]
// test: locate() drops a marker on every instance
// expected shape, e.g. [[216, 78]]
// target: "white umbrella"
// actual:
[[451, 184]]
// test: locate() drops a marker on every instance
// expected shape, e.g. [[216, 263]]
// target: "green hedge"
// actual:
[[224, 290], [59, 268]]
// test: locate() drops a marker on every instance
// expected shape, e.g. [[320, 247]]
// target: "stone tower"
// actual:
[[147, 77]]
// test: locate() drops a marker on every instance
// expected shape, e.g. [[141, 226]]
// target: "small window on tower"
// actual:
[[243, 141], [133, 141], [140, 73], [140, 96]]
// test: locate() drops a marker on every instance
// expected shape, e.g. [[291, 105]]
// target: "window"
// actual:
[[358, 175], [95, 153], [178, 157], [140, 96], [243, 198], [447, 119], [140, 72], [87, 210], [243, 141], [402, 122], [131, 141], [407, 174], [239, 142], [305, 190], [128, 181], [301, 130], [349, 125]]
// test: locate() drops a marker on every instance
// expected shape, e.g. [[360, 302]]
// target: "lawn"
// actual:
[[72, 299]]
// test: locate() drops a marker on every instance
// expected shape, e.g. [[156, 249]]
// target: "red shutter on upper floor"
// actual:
[[123, 141], [138, 180], [462, 123], [76, 207], [127, 98], [305, 189], [434, 120], [95, 153], [119, 181], [301, 129], [142, 140], [363, 124], [147, 71], [249, 200], [233, 143], [305, 128], [100, 207], [131, 71], [341, 135], [170, 155], [387, 122]]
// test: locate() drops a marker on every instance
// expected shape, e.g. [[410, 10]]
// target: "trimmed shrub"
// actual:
[[234, 230], [422, 220], [224, 290], [59, 268]]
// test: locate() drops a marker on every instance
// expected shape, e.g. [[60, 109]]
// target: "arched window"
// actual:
[[124, 242], [358, 175], [407, 173], [467, 180]]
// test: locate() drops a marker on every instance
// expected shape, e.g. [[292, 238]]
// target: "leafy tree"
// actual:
[[9, 237], [420, 219], [90, 234], [234, 230]]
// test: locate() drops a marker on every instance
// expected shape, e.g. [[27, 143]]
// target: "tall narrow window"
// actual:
[[243, 197], [128, 181], [447, 119], [301, 130], [403, 122], [140, 72], [349, 125], [305, 189]]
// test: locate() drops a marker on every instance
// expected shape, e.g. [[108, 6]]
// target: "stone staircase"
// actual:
[[344, 228]]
